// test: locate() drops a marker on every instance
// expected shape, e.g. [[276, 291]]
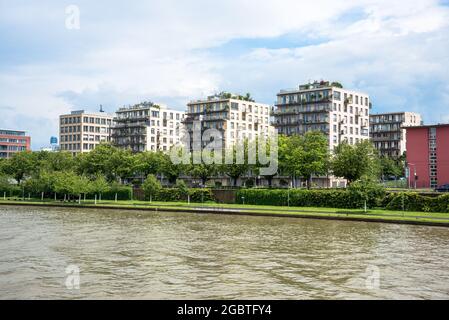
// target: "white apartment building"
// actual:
[[341, 114], [147, 127], [388, 131], [237, 117], [82, 131]]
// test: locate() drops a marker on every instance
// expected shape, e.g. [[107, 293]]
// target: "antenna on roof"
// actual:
[[101, 108]]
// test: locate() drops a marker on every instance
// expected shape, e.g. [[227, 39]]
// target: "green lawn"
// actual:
[[269, 210]]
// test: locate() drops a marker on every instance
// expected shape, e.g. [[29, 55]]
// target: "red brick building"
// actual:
[[428, 155], [12, 141]]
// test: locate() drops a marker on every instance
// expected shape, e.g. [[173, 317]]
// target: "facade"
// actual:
[[81, 131], [12, 141], [147, 127], [387, 130], [236, 117], [341, 114], [428, 155]]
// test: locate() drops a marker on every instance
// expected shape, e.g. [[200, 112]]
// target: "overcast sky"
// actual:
[[173, 51]]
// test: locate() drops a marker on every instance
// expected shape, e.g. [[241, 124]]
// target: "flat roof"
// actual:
[[439, 125]]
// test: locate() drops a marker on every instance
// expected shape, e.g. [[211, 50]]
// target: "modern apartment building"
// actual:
[[341, 114], [82, 131], [236, 117], [12, 141], [388, 133], [428, 155], [147, 127]]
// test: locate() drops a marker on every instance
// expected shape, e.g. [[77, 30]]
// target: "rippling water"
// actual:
[[144, 255]]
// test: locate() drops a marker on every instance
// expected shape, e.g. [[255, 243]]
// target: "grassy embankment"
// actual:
[[306, 212]]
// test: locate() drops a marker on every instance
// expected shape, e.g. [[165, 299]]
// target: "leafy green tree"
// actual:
[[44, 181], [182, 188], [21, 165], [171, 170], [367, 190], [236, 169], [99, 185], [115, 164], [202, 170], [151, 186], [354, 161], [5, 184], [311, 157], [69, 183], [391, 167], [148, 163]]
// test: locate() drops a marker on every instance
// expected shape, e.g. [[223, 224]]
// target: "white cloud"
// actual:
[[159, 50]]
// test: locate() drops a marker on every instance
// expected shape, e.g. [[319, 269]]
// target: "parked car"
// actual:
[[443, 188]]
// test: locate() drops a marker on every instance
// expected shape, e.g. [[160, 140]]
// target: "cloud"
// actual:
[[174, 51]]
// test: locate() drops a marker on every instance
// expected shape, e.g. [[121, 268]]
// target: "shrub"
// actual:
[[298, 198], [410, 201]]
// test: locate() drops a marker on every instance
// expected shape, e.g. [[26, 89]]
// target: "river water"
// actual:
[[143, 255]]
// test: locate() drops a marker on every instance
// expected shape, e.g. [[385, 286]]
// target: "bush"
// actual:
[[175, 194], [410, 201], [123, 193], [366, 190], [299, 198]]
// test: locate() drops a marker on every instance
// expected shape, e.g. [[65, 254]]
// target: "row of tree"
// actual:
[[299, 157]]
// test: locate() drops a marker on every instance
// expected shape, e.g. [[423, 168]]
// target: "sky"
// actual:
[[124, 52]]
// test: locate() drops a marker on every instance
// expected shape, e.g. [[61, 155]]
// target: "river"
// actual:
[[144, 255]]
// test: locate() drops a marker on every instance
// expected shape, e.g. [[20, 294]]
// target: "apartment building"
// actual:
[[236, 117], [341, 114], [82, 131], [428, 155], [12, 141], [387, 130], [147, 127]]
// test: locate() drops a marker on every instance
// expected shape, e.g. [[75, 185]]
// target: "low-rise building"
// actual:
[[82, 131], [428, 155], [12, 141], [147, 127], [388, 133]]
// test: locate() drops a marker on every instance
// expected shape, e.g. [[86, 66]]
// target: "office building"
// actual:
[[12, 141]]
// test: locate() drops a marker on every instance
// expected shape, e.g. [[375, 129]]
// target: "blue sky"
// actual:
[[173, 51]]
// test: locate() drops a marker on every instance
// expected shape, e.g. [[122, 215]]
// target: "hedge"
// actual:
[[174, 194], [343, 199], [300, 198], [410, 201]]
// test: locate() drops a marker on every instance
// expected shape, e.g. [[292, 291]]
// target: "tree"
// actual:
[[354, 161], [311, 157], [367, 191], [44, 181], [69, 183], [99, 185], [237, 168], [391, 167], [148, 163], [171, 170], [115, 164], [336, 84], [21, 165], [151, 186], [202, 170], [182, 188]]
